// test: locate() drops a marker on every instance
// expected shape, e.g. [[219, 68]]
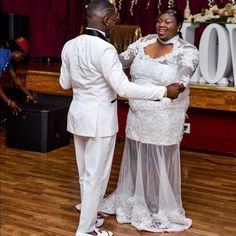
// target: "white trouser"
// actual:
[[94, 160]]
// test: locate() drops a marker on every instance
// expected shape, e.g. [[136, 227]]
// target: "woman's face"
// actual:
[[167, 26]]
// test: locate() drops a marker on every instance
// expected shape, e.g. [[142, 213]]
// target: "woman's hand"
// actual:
[[29, 97], [14, 107]]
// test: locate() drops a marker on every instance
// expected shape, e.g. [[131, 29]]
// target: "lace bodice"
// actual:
[[159, 122]]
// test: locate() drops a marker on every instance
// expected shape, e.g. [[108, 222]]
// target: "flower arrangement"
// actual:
[[214, 14]]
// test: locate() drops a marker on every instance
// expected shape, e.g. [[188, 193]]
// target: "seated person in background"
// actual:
[[15, 51]]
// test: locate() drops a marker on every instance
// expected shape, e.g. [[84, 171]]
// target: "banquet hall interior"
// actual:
[[39, 185]]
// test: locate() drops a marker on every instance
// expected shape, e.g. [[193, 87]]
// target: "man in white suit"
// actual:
[[91, 67]]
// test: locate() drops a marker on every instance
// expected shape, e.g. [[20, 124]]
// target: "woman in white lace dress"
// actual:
[[148, 193]]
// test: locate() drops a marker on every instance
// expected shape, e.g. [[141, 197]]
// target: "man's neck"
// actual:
[[91, 28]]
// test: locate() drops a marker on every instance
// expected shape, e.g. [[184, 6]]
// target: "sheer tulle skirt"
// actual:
[[148, 193]]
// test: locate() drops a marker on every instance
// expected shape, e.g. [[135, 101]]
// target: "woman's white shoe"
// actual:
[[99, 222]]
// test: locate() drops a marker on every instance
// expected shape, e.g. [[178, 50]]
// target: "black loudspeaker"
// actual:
[[38, 127], [13, 26]]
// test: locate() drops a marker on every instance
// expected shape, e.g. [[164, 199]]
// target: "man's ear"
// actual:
[[106, 20]]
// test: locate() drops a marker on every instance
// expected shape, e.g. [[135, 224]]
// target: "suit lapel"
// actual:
[[94, 33]]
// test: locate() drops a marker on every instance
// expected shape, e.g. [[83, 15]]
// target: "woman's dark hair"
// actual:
[[178, 16]]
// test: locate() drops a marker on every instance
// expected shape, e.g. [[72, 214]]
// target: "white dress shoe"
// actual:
[[99, 233], [82, 234], [104, 233]]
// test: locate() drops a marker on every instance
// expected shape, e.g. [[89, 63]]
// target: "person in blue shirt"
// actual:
[[15, 51]]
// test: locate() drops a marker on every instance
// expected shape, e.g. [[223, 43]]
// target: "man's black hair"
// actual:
[[100, 5]]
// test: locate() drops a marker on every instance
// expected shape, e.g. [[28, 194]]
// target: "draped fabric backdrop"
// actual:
[[53, 22], [146, 11]]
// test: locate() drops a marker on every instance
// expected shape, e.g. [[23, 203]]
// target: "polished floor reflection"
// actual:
[[39, 192]]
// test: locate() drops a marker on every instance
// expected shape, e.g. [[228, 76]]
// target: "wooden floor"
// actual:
[[39, 192]]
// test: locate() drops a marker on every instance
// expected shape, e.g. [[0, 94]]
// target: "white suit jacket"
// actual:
[[91, 67]]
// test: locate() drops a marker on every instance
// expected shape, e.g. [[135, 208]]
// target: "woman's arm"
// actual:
[[10, 103], [20, 85], [4, 96], [187, 63], [127, 57]]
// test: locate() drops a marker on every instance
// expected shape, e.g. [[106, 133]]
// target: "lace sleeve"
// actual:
[[127, 57], [187, 63]]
